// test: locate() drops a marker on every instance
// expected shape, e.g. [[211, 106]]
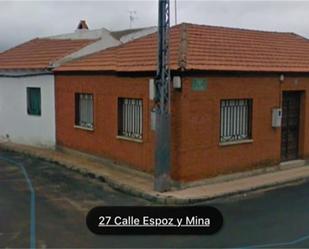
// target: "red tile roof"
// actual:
[[201, 47], [39, 53]]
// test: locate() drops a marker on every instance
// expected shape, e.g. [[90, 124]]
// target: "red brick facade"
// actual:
[[196, 148], [103, 140]]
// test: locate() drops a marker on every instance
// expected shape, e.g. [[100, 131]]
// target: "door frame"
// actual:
[[300, 138]]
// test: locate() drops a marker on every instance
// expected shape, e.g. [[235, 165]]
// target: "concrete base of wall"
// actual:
[[181, 185], [106, 161], [292, 163]]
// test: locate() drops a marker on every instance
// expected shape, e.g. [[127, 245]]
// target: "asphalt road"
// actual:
[[277, 218]]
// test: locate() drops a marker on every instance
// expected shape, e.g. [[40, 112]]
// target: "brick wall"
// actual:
[[102, 141], [196, 152], [199, 153]]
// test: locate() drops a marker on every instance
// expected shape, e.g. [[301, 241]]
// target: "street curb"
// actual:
[[154, 196], [112, 183], [276, 185]]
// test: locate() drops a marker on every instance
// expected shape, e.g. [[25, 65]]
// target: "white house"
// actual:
[[27, 95]]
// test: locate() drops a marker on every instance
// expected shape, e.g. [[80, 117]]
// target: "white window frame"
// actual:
[[84, 114], [130, 118], [235, 120]]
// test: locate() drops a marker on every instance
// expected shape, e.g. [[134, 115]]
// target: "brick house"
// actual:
[[230, 88]]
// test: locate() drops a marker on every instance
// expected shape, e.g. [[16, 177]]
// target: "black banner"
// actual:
[[154, 220]]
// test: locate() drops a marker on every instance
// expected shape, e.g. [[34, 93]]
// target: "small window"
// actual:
[[236, 120], [84, 110], [130, 118], [34, 101]]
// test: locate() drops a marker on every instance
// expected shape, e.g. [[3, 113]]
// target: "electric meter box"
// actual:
[[153, 120], [177, 82], [152, 89], [276, 117]]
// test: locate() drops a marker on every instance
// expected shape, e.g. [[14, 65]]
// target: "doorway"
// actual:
[[290, 125]]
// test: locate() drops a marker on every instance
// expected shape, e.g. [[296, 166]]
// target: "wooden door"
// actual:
[[290, 125]]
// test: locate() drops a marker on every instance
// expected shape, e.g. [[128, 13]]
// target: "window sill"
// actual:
[[245, 141], [34, 115], [83, 128], [130, 139]]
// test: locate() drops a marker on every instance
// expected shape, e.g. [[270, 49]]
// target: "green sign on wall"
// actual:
[[199, 84]]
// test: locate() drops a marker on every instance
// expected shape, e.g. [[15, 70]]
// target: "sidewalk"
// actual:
[[140, 184]]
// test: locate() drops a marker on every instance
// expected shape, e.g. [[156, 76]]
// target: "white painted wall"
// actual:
[[15, 124], [99, 45], [135, 35], [83, 34]]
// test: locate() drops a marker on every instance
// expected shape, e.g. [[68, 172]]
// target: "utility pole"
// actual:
[[175, 12], [162, 102]]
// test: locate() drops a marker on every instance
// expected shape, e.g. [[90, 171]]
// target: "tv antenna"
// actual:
[[132, 17], [175, 5]]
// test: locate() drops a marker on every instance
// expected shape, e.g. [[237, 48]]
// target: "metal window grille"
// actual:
[[236, 119], [130, 118], [84, 110]]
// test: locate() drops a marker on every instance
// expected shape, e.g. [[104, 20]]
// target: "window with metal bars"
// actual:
[[130, 118], [236, 120], [84, 110]]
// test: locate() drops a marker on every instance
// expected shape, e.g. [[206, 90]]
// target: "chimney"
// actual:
[[82, 25]]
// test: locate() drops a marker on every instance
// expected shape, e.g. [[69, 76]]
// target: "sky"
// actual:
[[24, 20]]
